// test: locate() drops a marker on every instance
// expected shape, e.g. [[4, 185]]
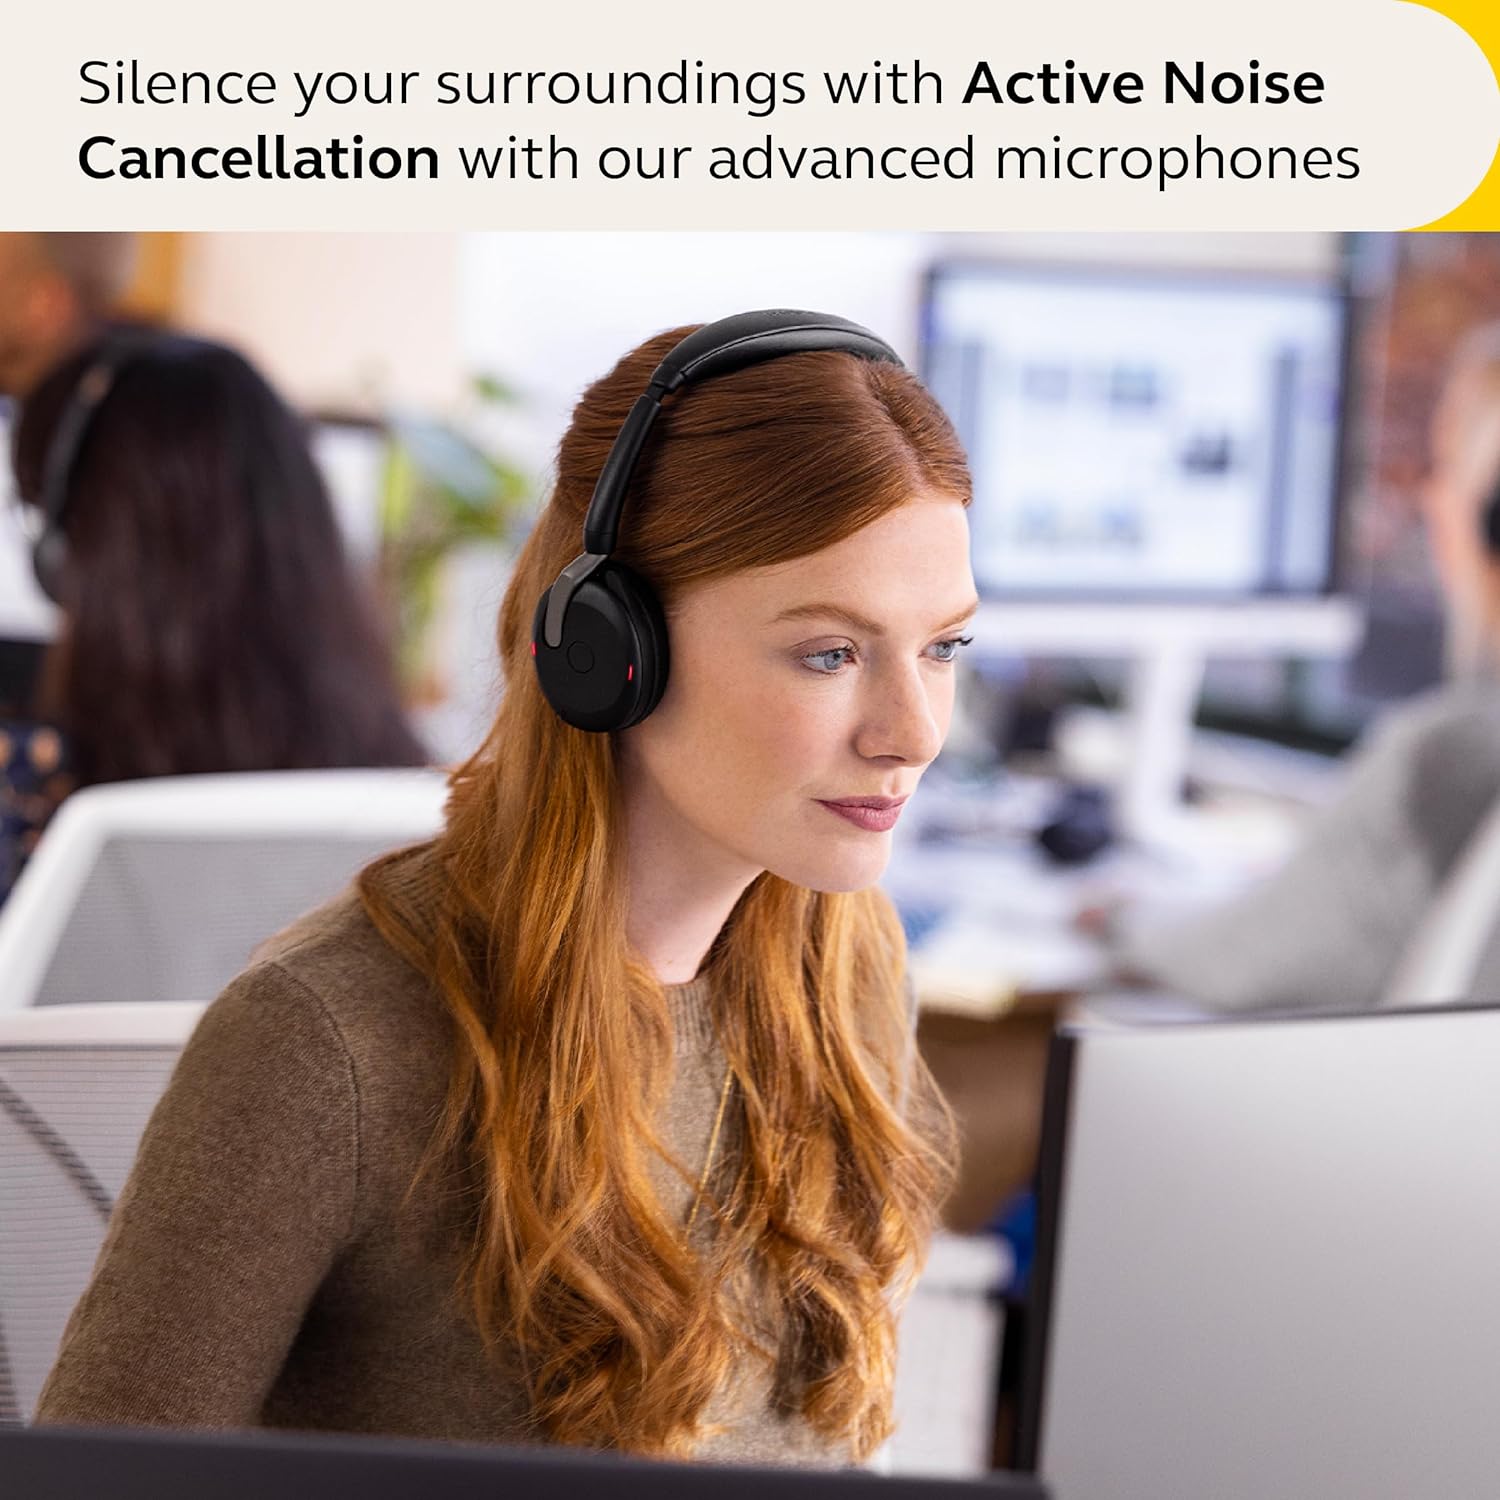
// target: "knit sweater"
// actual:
[[268, 1263]]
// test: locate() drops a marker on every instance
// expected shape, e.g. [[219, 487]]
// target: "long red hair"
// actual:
[[564, 1045]]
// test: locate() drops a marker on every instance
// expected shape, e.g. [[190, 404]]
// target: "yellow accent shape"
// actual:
[[1481, 19]]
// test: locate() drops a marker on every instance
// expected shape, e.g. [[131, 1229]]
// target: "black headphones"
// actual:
[[599, 636], [49, 552]]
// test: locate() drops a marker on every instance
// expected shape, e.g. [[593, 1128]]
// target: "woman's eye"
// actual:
[[830, 662], [950, 647], [815, 657]]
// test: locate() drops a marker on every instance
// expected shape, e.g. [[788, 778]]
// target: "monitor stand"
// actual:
[[1168, 645]]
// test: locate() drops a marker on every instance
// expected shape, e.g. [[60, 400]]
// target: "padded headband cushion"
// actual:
[[752, 338]]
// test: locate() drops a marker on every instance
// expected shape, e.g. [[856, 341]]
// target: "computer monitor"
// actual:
[[351, 453], [1266, 1260], [58, 1464], [1143, 434]]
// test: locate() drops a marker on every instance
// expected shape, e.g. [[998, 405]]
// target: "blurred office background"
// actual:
[[1090, 364], [1196, 530], [1196, 458], [1197, 462]]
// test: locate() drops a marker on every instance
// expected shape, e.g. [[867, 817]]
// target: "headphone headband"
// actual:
[[719, 348], [84, 400], [117, 350], [748, 338]]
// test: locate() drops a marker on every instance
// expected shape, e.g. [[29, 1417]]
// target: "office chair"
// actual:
[[160, 890], [77, 1085]]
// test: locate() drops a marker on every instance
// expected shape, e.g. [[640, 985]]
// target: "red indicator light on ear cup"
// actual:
[[629, 671], [533, 648]]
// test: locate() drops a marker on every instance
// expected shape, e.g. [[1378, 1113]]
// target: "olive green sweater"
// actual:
[[265, 1264]]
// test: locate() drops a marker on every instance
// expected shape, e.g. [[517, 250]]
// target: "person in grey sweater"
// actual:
[[1331, 927], [599, 1120]]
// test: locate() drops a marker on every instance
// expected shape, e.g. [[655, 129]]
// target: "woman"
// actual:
[[210, 621], [598, 1120], [1330, 928]]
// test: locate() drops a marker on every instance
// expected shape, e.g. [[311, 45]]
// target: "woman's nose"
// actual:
[[904, 720]]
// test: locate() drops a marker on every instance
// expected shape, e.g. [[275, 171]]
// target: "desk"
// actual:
[[991, 1071]]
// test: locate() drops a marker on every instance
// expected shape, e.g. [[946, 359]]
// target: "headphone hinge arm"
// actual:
[[562, 591]]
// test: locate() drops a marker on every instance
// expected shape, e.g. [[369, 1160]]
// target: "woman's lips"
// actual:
[[875, 819]]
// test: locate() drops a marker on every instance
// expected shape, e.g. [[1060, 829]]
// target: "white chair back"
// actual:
[[77, 1085], [160, 890]]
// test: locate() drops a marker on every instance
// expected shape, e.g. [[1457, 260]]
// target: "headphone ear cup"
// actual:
[[609, 670], [49, 561], [650, 624]]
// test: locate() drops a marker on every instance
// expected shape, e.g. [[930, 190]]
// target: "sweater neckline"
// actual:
[[691, 1009]]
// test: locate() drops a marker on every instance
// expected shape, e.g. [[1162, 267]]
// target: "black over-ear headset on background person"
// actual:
[[1489, 520], [49, 552], [599, 635]]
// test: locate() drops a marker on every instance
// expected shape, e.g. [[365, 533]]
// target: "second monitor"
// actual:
[[1143, 434]]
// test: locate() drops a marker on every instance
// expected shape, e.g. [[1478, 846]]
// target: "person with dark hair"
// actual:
[[598, 1120], [210, 619]]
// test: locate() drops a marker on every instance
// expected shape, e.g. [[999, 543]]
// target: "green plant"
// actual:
[[442, 487]]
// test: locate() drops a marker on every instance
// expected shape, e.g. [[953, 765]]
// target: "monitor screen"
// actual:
[[1142, 433], [1265, 1259], [352, 456]]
